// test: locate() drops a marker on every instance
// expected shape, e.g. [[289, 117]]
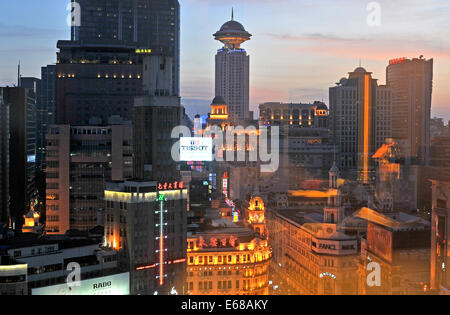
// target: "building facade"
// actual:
[[30, 262], [146, 222], [440, 276], [4, 160], [397, 248], [22, 106], [311, 258], [361, 121], [46, 111], [411, 81], [230, 259], [142, 24], [156, 114], [80, 160], [100, 69], [306, 145]]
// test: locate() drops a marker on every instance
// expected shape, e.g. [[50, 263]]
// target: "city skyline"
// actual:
[[305, 56], [108, 187]]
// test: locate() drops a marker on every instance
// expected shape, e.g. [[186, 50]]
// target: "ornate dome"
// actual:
[[232, 34], [218, 100]]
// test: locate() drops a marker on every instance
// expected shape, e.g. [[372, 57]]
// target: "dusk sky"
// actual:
[[299, 48]]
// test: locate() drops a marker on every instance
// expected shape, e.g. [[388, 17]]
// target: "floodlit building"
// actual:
[[229, 258], [313, 255], [146, 222]]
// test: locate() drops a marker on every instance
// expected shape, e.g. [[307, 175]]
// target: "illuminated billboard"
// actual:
[[111, 285], [196, 149]]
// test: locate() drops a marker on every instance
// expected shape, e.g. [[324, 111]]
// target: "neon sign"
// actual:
[[161, 240], [170, 186], [225, 184], [397, 61]]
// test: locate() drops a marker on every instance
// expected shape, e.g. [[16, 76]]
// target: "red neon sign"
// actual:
[[397, 61], [170, 186]]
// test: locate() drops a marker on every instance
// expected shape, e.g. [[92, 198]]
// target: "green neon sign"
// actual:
[[162, 198]]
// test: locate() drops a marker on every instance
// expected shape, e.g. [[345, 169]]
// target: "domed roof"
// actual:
[[232, 26], [321, 105], [360, 70], [218, 100]]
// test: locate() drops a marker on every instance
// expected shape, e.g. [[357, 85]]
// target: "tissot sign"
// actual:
[[112, 285], [196, 149]]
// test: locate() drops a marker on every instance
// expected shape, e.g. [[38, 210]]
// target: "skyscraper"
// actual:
[[137, 23], [22, 106], [156, 113], [46, 110], [4, 160], [412, 83], [352, 106], [232, 69], [100, 69]]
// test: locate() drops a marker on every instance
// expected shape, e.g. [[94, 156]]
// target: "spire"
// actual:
[[18, 75], [232, 13]]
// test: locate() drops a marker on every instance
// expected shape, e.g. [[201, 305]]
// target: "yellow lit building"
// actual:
[[311, 258], [229, 258]]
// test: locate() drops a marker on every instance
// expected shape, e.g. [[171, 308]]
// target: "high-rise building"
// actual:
[[147, 24], [411, 81], [440, 276], [100, 69], [306, 144], [146, 217], [4, 160], [360, 121], [46, 111], [233, 69], [80, 160], [155, 115], [383, 113], [22, 106], [146, 222]]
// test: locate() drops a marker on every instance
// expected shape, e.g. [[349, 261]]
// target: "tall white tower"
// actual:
[[232, 69]]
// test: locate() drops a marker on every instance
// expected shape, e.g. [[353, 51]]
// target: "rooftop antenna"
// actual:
[[232, 13], [18, 75]]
